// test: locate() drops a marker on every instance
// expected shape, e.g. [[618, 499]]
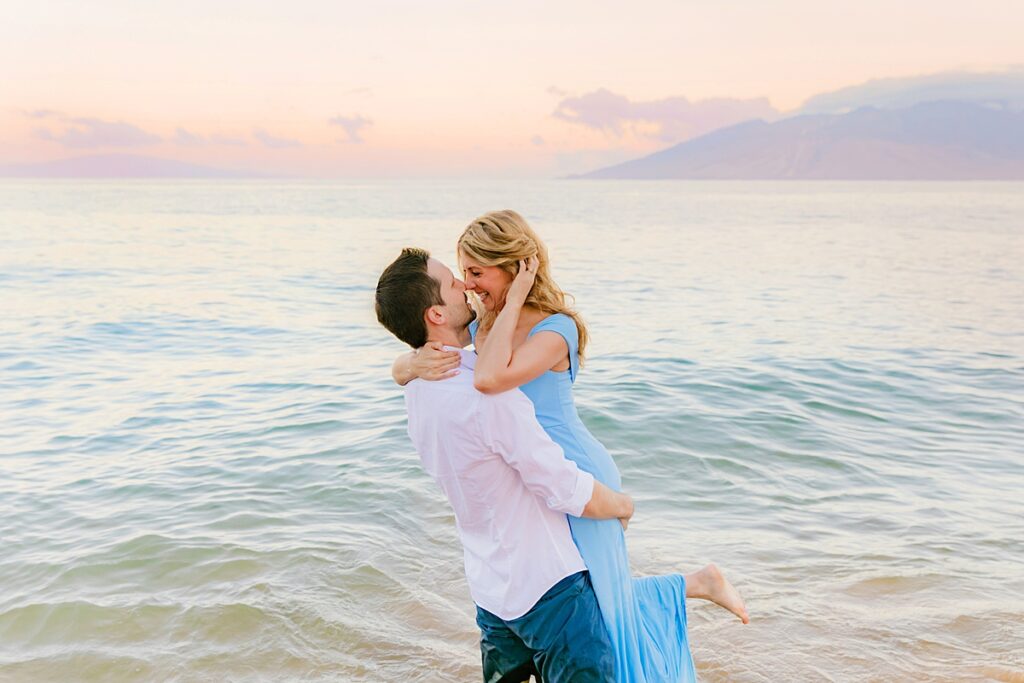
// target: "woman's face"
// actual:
[[490, 283]]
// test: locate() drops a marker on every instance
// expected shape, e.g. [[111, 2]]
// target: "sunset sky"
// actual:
[[451, 88]]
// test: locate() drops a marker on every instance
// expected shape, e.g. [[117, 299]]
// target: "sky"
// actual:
[[451, 88]]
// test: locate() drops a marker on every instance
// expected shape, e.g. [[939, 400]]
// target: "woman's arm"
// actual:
[[430, 362], [401, 369], [498, 368]]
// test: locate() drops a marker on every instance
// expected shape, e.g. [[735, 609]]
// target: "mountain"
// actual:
[[117, 166], [928, 141]]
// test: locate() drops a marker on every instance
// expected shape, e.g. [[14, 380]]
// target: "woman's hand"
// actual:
[[523, 282], [432, 362]]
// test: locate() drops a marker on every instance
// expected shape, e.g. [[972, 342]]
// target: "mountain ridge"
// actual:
[[945, 140]]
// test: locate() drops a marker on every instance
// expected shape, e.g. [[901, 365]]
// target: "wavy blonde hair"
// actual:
[[502, 239]]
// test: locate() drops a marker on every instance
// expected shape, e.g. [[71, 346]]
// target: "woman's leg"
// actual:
[[709, 584]]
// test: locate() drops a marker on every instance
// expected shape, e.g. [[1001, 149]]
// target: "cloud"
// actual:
[[352, 126], [188, 139], [218, 139], [537, 140], [43, 114], [88, 132], [360, 91], [672, 119], [269, 140], [556, 91], [1001, 88]]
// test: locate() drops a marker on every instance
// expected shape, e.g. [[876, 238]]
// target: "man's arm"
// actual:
[[511, 429], [608, 504]]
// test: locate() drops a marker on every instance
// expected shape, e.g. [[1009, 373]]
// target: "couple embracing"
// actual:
[[537, 498]]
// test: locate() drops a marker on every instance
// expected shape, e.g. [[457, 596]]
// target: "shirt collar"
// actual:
[[468, 357]]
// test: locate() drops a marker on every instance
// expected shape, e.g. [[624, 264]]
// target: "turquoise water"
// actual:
[[205, 473]]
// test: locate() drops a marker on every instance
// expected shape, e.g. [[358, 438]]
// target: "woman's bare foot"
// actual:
[[709, 584]]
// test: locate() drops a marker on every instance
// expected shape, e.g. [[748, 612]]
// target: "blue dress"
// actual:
[[645, 617]]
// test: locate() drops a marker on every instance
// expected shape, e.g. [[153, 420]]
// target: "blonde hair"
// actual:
[[502, 239]]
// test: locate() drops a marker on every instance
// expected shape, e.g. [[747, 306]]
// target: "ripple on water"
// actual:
[[206, 475]]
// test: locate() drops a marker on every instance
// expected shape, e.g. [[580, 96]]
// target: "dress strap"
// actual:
[[562, 324]]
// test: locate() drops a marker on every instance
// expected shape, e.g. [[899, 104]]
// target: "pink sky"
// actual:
[[451, 89]]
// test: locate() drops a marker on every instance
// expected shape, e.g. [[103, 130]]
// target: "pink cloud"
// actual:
[[269, 140], [43, 114], [1004, 88], [672, 119], [187, 138], [88, 132], [352, 126]]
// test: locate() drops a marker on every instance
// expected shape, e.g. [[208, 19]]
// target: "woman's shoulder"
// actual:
[[560, 323], [563, 325]]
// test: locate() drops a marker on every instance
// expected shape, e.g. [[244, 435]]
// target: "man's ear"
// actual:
[[434, 315]]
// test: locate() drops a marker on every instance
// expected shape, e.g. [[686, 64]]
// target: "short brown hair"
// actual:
[[404, 292]]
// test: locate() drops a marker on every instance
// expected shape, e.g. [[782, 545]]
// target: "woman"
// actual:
[[527, 337]]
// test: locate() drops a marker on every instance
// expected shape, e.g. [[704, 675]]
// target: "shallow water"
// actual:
[[205, 473]]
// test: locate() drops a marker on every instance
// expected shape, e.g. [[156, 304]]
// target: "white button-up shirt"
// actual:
[[509, 484]]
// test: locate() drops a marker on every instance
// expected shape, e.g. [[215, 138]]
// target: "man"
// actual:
[[510, 486]]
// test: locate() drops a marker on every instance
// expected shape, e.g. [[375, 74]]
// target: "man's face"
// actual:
[[453, 293]]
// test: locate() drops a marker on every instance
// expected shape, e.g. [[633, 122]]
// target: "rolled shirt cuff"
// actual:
[[581, 495]]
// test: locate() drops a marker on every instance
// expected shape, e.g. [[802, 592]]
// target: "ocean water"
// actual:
[[205, 476]]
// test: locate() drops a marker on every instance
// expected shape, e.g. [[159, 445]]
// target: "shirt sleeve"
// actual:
[[511, 430]]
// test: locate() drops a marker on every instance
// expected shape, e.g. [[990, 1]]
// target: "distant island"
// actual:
[[118, 166], [945, 140]]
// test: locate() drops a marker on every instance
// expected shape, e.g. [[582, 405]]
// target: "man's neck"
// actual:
[[459, 340]]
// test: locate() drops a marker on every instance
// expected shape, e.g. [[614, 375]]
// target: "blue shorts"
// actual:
[[562, 639]]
